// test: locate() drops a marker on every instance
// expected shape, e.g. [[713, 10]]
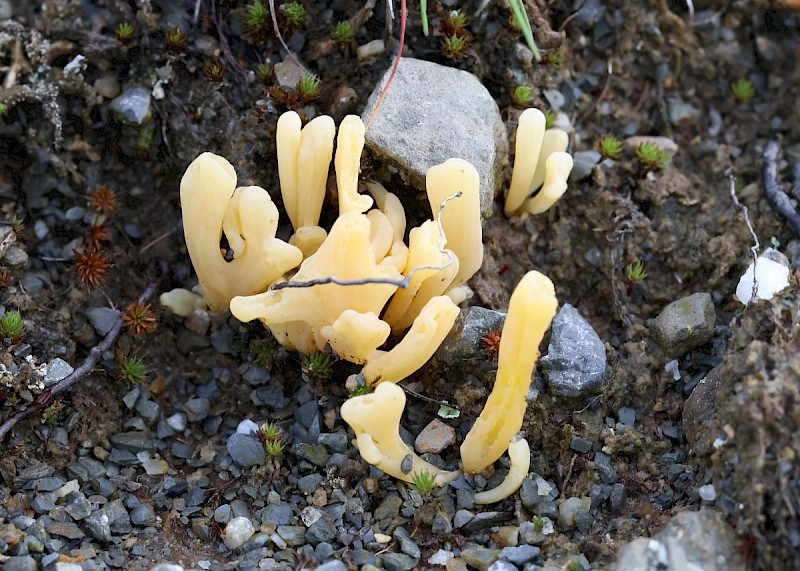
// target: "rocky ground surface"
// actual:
[[663, 420]]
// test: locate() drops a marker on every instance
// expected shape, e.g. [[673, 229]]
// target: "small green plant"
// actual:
[[175, 40], [271, 436], [538, 522], [11, 325], [522, 96], [634, 274], [295, 15], [553, 59], [573, 566], [651, 157], [144, 142], [274, 448], [125, 33], [309, 87], [743, 90], [213, 71], [318, 365], [256, 16], [3, 108], [343, 33], [454, 24], [265, 73], [424, 482], [132, 370], [361, 390], [454, 47], [549, 118], [609, 147], [634, 271]]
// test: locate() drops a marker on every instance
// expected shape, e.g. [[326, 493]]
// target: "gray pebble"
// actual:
[[177, 421], [684, 324], [314, 453], [279, 514], [319, 531], [580, 445], [223, 513], [335, 565], [255, 375], [143, 515], [79, 508], [617, 497], [583, 164], [167, 567], [197, 409], [462, 518], [398, 561], [627, 416], [98, 526], [23, 563], [407, 545], [520, 555], [245, 449], [148, 410], [292, 534], [57, 369], [307, 484], [131, 441], [43, 503], [324, 551], [102, 318], [575, 363], [334, 441], [45, 484], [133, 105], [502, 565], [604, 467]]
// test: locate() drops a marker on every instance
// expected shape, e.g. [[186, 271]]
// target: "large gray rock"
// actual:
[[575, 363], [685, 324], [691, 540], [698, 412], [432, 113]]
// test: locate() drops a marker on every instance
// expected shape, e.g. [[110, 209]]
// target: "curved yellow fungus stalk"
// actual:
[[209, 201], [520, 454], [417, 346], [559, 165], [349, 144], [304, 157], [534, 147], [425, 283], [530, 311], [375, 419], [530, 132], [461, 218]]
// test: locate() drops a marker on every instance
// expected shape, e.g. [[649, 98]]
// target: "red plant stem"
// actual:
[[46, 397], [403, 15]]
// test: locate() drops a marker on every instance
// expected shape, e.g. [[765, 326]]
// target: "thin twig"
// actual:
[[756, 245], [777, 199], [403, 18], [404, 283], [46, 397]]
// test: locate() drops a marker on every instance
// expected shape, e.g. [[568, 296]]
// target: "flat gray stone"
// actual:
[[700, 540], [102, 318], [57, 369], [433, 113], [575, 363], [583, 163], [245, 449], [685, 324], [133, 105]]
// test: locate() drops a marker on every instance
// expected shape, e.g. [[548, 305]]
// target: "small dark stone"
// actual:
[[307, 484], [407, 545], [134, 442], [398, 561], [24, 563], [143, 515], [604, 467], [314, 453], [580, 445], [485, 520], [520, 555], [246, 449], [617, 497], [319, 531], [389, 507]]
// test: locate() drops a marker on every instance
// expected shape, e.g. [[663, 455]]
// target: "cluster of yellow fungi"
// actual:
[[348, 289]]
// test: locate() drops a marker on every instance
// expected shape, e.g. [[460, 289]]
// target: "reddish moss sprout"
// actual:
[[139, 318], [91, 266], [491, 343], [104, 200]]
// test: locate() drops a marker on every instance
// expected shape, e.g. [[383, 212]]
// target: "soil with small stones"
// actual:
[[627, 69]]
